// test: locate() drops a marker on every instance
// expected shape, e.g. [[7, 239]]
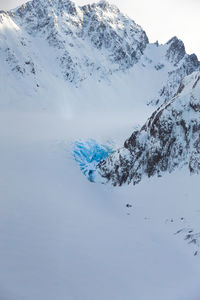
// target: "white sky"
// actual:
[[161, 19]]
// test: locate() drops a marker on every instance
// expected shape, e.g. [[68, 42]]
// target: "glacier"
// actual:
[[88, 154]]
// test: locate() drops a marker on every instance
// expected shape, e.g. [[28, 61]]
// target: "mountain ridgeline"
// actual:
[[86, 41], [58, 40]]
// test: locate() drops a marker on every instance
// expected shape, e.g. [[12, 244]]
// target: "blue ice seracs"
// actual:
[[88, 154]]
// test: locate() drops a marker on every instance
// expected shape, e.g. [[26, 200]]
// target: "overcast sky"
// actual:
[[161, 19]]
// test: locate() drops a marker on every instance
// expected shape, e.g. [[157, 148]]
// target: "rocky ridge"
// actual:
[[170, 139], [88, 39], [94, 40]]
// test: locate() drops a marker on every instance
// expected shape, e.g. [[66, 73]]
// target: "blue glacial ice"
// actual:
[[88, 154]]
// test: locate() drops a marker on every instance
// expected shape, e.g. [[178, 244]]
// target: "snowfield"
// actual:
[[62, 237]]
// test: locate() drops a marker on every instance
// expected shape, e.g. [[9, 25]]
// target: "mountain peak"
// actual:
[[105, 5], [47, 6], [98, 26], [93, 40], [176, 50]]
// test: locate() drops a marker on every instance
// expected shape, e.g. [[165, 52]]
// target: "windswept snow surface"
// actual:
[[62, 237]]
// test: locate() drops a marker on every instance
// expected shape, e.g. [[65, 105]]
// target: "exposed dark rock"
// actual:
[[176, 50], [108, 42], [169, 139]]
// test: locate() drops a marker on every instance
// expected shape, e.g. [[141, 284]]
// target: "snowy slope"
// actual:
[[49, 48], [168, 140], [63, 237]]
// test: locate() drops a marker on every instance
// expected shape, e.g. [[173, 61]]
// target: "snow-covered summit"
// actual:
[[58, 40], [78, 31], [183, 65], [176, 50]]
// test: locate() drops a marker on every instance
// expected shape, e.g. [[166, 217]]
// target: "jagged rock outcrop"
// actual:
[[90, 41], [169, 139], [84, 35], [107, 28], [182, 65], [175, 51]]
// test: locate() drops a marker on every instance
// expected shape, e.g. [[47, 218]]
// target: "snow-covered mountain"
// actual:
[[64, 55], [87, 40], [54, 42], [169, 139]]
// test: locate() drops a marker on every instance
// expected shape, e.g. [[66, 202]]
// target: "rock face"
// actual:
[[106, 28], [184, 65], [169, 139], [94, 40], [175, 51]]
